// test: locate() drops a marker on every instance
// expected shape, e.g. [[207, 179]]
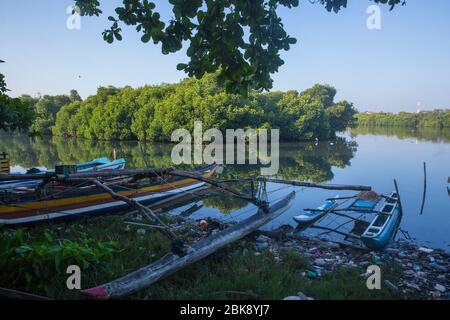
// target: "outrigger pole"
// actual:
[[315, 185]]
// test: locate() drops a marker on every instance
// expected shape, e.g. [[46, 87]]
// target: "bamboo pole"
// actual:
[[212, 182], [334, 211], [344, 210], [424, 187], [398, 195], [401, 208], [315, 185]]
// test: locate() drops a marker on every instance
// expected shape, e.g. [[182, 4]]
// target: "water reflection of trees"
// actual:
[[300, 161], [46, 152], [304, 161], [422, 134], [226, 203]]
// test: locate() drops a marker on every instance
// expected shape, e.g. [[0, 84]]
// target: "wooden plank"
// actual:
[[171, 263]]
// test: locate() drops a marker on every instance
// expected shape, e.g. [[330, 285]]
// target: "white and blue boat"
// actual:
[[96, 164], [384, 226]]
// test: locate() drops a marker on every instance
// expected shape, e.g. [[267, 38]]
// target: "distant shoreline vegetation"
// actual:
[[436, 119], [152, 113]]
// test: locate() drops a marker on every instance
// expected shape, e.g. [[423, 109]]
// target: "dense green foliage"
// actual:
[[242, 39], [419, 134], [46, 109], [32, 262], [15, 114], [37, 115], [438, 119], [152, 113]]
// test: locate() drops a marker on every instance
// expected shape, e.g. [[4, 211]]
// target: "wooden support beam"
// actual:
[[344, 210], [315, 185]]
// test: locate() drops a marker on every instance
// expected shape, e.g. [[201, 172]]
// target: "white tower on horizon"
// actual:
[[419, 104]]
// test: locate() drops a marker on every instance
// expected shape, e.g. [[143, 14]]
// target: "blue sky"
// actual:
[[387, 69]]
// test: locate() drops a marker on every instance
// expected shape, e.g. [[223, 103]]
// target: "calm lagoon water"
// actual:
[[363, 156]]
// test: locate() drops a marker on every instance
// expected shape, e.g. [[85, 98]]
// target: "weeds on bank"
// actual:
[[35, 260]]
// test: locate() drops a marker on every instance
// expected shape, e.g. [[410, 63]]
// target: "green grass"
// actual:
[[232, 273]]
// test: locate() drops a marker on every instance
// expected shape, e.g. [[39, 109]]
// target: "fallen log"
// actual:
[[172, 263], [315, 185]]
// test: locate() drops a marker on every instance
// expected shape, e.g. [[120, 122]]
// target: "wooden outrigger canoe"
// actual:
[[90, 200], [171, 263]]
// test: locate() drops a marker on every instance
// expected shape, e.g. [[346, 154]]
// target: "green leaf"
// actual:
[[146, 37], [48, 236], [118, 36], [181, 66], [23, 249]]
